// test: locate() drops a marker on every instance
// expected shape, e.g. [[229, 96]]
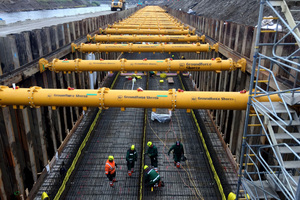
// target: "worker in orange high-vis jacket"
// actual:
[[110, 170]]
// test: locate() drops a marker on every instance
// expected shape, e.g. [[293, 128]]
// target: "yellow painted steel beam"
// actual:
[[125, 26], [79, 65], [144, 47], [147, 31], [105, 98], [146, 38]]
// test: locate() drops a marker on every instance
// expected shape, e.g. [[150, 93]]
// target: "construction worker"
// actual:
[[62, 171], [110, 170], [152, 153], [178, 152], [152, 178], [131, 157]]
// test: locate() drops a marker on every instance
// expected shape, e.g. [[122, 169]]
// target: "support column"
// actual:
[[12, 149]]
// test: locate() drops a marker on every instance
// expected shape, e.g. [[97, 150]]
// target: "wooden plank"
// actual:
[[36, 44], [67, 33], [56, 112], [13, 149], [232, 35], [2, 190], [50, 115], [61, 35], [29, 139], [53, 38], [20, 43], [45, 40]]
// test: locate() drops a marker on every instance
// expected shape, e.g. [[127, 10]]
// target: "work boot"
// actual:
[[114, 180], [156, 169], [132, 170], [178, 164], [129, 173], [111, 184]]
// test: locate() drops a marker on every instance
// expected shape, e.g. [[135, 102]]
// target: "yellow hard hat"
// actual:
[[145, 167], [149, 144], [110, 158], [132, 147], [45, 196]]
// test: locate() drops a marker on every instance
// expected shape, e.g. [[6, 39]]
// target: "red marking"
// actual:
[[140, 90], [243, 91], [65, 59], [101, 59], [212, 59], [69, 88], [171, 59], [180, 90]]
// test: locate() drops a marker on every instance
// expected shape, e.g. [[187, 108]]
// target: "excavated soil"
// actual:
[[239, 11]]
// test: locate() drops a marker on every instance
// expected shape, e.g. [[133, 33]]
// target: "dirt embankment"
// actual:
[[238, 11], [25, 5]]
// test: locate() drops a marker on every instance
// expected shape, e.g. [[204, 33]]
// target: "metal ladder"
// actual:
[[270, 160]]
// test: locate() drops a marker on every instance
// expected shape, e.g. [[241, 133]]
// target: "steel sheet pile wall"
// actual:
[[30, 137], [235, 41]]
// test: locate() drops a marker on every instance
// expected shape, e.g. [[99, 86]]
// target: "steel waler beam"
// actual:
[[144, 47], [79, 65], [146, 38], [105, 98], [146, 31]]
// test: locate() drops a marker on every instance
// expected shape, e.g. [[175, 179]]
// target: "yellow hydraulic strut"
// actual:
[[144, 47], [146, 31], [105, 98], [146, 38], [149, 23], [79, 65], [124, 26]]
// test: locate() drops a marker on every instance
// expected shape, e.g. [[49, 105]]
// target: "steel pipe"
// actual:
[[105, 98], [79, 65], [146, 38], [146, 31], [129, 26], [144, 47]]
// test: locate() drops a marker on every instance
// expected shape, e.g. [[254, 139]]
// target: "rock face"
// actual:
[[25, 5]]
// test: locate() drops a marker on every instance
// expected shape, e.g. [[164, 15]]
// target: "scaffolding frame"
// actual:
[[269, 160]]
